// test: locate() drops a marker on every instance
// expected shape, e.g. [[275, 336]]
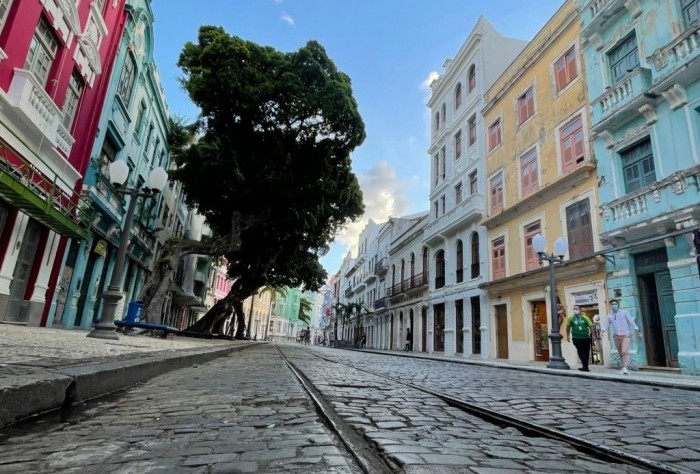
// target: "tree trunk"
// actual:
[[240, 319]]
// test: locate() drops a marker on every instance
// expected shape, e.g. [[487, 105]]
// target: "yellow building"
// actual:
[[541, 179]]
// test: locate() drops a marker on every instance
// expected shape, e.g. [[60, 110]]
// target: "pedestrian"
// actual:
[[579, 330], [622, 326], [409, 340], [364, 340]]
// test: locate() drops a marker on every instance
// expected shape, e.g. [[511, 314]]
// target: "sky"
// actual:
[[391, 49]]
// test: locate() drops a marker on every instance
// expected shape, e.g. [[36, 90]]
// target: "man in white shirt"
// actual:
[[622, 324]]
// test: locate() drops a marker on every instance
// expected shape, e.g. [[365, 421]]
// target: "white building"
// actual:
[[457, 308]]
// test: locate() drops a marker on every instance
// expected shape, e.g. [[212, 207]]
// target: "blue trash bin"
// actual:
[[134, 312]]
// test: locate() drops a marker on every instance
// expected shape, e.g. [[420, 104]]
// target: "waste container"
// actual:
[[134, 312]]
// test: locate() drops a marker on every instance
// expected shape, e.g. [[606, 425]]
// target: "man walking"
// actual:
[[622, 325], [578, 329]]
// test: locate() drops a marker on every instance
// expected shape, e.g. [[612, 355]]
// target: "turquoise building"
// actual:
[[133, 127], [643, 75]]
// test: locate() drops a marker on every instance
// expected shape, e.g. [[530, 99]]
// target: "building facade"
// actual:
[[643, 78], [541, 180], [55, 64], [457, 261]]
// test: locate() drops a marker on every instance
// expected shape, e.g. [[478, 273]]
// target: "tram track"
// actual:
[[527, 428]]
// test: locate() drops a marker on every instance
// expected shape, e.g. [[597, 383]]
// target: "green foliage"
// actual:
[[272, 154], [305, 308]]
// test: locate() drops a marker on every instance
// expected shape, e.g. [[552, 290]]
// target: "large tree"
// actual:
[[271, 167]]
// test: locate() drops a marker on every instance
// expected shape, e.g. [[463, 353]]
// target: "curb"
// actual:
[[44, 390]]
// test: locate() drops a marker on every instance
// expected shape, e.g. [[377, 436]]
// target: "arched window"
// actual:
[[444, 113], [413, 267], [471, 79], [424, 280], [476, 271], [458, 95], [393, 275], [460, 261], [403, 272], [440, 269]]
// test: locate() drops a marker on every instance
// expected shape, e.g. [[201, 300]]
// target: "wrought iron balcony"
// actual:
[[381, 267], [412, 283]]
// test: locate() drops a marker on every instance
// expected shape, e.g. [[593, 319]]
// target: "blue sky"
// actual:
[[389, 48]]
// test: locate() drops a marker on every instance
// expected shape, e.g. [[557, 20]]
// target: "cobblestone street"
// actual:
[[248, 413]]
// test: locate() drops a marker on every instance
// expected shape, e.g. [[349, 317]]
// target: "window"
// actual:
[[436, 208], [476, 271], [126, 80], [691, 11], [458, 145], [437, 168], [437, 121], [139, 119], [70, 106], [4, 7], [638, 166], [572, 149], [565, 69], [496, 194], [443, 161], [444, 114], [107, 155], [528, 173], [472, 130], [579, 229], [624, 58], [494, 134], [471, 79], [458, 95], [460, 261], [42, 52], [442, 203], [472, 183], [440, 269], [100, 4], [526, 105], [458, 193], [148, 140], [532, 262], [498, 258]]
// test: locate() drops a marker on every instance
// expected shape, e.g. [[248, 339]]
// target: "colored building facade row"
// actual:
[[80, 89], [589, 132]]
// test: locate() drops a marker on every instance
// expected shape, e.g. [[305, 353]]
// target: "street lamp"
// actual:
[[118, 172], [556, 361]]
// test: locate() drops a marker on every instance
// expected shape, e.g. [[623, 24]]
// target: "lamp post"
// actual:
[[118, 172], [556, 360]]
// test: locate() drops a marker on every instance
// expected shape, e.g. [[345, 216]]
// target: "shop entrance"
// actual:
[[439, 327], [501, 331], [539, 330]]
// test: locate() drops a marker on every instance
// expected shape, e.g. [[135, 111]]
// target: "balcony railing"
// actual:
[[471, 209], [414, 282], [380, 303], [622, 95], [381, 267]]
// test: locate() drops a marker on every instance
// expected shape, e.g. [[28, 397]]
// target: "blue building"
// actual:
[[134, 128], [643, 77]]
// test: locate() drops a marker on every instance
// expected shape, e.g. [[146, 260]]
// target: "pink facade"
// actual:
[[56, 57]]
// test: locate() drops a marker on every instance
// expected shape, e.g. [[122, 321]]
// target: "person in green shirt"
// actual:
[[579, 330]]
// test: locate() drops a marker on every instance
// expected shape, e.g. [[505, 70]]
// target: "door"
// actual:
[[476, 325], [540, 330], [439, 328], [501, 331], [459, 312], [23, 268], [658, 306], [424, 330]]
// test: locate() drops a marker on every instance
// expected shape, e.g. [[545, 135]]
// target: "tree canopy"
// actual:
[[270, 167]]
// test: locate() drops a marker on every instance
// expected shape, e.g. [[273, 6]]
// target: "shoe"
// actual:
[[624, 371], [584, 369]]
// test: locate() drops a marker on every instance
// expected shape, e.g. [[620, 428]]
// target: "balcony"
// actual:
[[370, 277], [622, 100], [39, 111], [416, 282], [678, 60], [380, 303], [348, 291], [598, 15], [381, 267], [472, 209]]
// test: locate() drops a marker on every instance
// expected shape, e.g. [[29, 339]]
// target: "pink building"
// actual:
[[55, 60]]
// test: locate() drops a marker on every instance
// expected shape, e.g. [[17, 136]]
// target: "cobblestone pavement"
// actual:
[[242, 413], [662, 424], [423, 434]]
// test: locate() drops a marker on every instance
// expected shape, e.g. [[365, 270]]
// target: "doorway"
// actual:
[[658, 308], [501, 331], [439, 327], [459, 313], [22, 271], [476, 324], [424, 329], [539, 330]]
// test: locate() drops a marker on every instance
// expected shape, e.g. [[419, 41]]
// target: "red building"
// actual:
[[55, 60]]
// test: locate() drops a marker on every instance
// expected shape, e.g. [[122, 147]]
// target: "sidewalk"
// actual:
[[645, 377], [41, 368]]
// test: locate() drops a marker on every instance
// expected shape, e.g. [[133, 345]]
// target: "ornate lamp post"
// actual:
[[118, 172], [556, 361]]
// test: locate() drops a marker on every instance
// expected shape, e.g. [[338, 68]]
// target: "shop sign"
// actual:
[[101, 248], [585, 297]]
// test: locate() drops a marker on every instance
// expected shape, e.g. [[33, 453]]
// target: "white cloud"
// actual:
[[278, 2], [425, 85], [288, 19], [384, 196]]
